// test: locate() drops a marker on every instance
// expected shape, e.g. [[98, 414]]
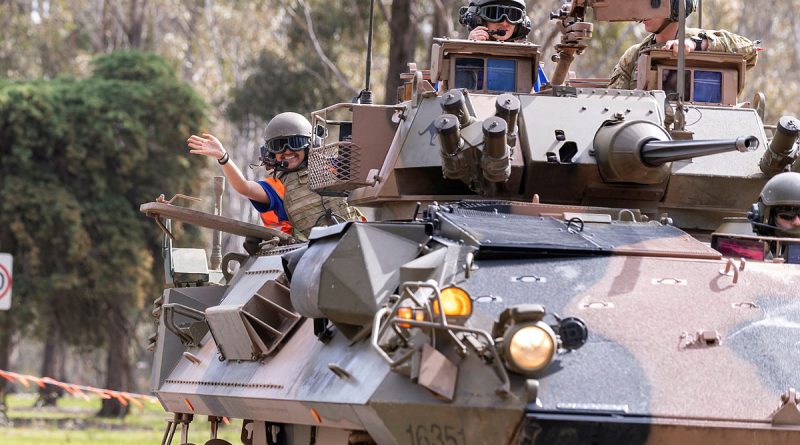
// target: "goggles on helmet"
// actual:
[[787, 213], [498, 13], [277, 145]]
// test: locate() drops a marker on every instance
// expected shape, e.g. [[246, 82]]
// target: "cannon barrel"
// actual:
[[640, 152], [655, 152]]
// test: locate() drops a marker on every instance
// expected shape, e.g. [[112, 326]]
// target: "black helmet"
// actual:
[[286, 130], [674, 11], [782, 191], [480, 11]]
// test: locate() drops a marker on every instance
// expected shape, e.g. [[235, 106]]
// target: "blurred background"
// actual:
[[98, 97]]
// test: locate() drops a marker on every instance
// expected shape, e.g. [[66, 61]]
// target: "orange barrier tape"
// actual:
[[79, 390]]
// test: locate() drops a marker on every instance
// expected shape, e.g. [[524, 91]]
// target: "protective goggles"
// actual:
[[498, 13], [277, 145], [787, 213]]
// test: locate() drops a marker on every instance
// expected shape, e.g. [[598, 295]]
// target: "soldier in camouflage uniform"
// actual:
[[282, 199], [663, 36]]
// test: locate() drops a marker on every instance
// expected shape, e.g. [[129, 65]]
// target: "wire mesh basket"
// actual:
[[335, 167]]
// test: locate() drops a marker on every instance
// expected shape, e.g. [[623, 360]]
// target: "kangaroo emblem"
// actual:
[[431, 130]]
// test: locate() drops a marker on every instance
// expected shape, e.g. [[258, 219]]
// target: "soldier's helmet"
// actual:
[[479, 12], [285, 131], [674, 14], [781, 194]]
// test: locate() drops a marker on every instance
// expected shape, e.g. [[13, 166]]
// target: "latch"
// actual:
[[789, 411], [704, 338]]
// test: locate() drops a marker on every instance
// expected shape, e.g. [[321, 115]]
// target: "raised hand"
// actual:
[[206, 145]]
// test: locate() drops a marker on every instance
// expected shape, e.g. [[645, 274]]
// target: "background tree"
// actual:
[[403, 32], [77, 158]]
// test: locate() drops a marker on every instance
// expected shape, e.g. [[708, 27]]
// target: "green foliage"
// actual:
[[298, 80], [77, 158], [134, 66], [276, 87]]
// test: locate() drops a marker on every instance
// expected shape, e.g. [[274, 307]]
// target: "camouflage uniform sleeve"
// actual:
[[726, 41], [622, 76]]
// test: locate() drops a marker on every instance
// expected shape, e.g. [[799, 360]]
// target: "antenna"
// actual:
[[681, 49], [700, 14], [680, 117], [365, 96]]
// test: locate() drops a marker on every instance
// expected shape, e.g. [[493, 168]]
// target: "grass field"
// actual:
[[73, 422]]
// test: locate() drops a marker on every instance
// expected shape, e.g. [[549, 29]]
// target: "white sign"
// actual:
[[6, 263]]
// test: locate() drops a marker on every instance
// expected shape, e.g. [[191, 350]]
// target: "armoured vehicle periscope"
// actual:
[[542, 273]]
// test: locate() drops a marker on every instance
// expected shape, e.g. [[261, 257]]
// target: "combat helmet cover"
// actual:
[[782, 190], [287, 124]]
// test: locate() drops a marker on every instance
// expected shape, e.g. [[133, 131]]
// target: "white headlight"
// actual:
[[529, 347]]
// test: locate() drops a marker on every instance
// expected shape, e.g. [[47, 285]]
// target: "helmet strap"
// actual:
[[664, 25]]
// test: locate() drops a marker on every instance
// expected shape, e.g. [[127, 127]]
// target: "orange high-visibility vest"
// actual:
[[270, 218]]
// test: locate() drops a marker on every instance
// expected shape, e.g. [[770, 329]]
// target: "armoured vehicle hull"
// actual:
[[543, 273], [679, 349]]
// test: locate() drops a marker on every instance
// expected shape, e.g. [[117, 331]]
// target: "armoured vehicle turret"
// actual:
[[545, 267]]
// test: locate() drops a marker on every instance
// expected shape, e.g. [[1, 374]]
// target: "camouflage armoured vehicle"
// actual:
[[542, 274]]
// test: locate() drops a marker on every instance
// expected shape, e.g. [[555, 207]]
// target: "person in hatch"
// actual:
[[282, 198], [664, 35], [501, 21]]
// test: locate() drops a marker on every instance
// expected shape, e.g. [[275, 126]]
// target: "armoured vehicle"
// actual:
[[542, 271]]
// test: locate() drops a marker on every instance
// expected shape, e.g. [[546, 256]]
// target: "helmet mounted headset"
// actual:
[[481, 12]]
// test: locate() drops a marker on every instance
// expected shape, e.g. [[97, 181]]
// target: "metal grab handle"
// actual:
[[169, 310], [226, 260], [731, 265], [379, 328]]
